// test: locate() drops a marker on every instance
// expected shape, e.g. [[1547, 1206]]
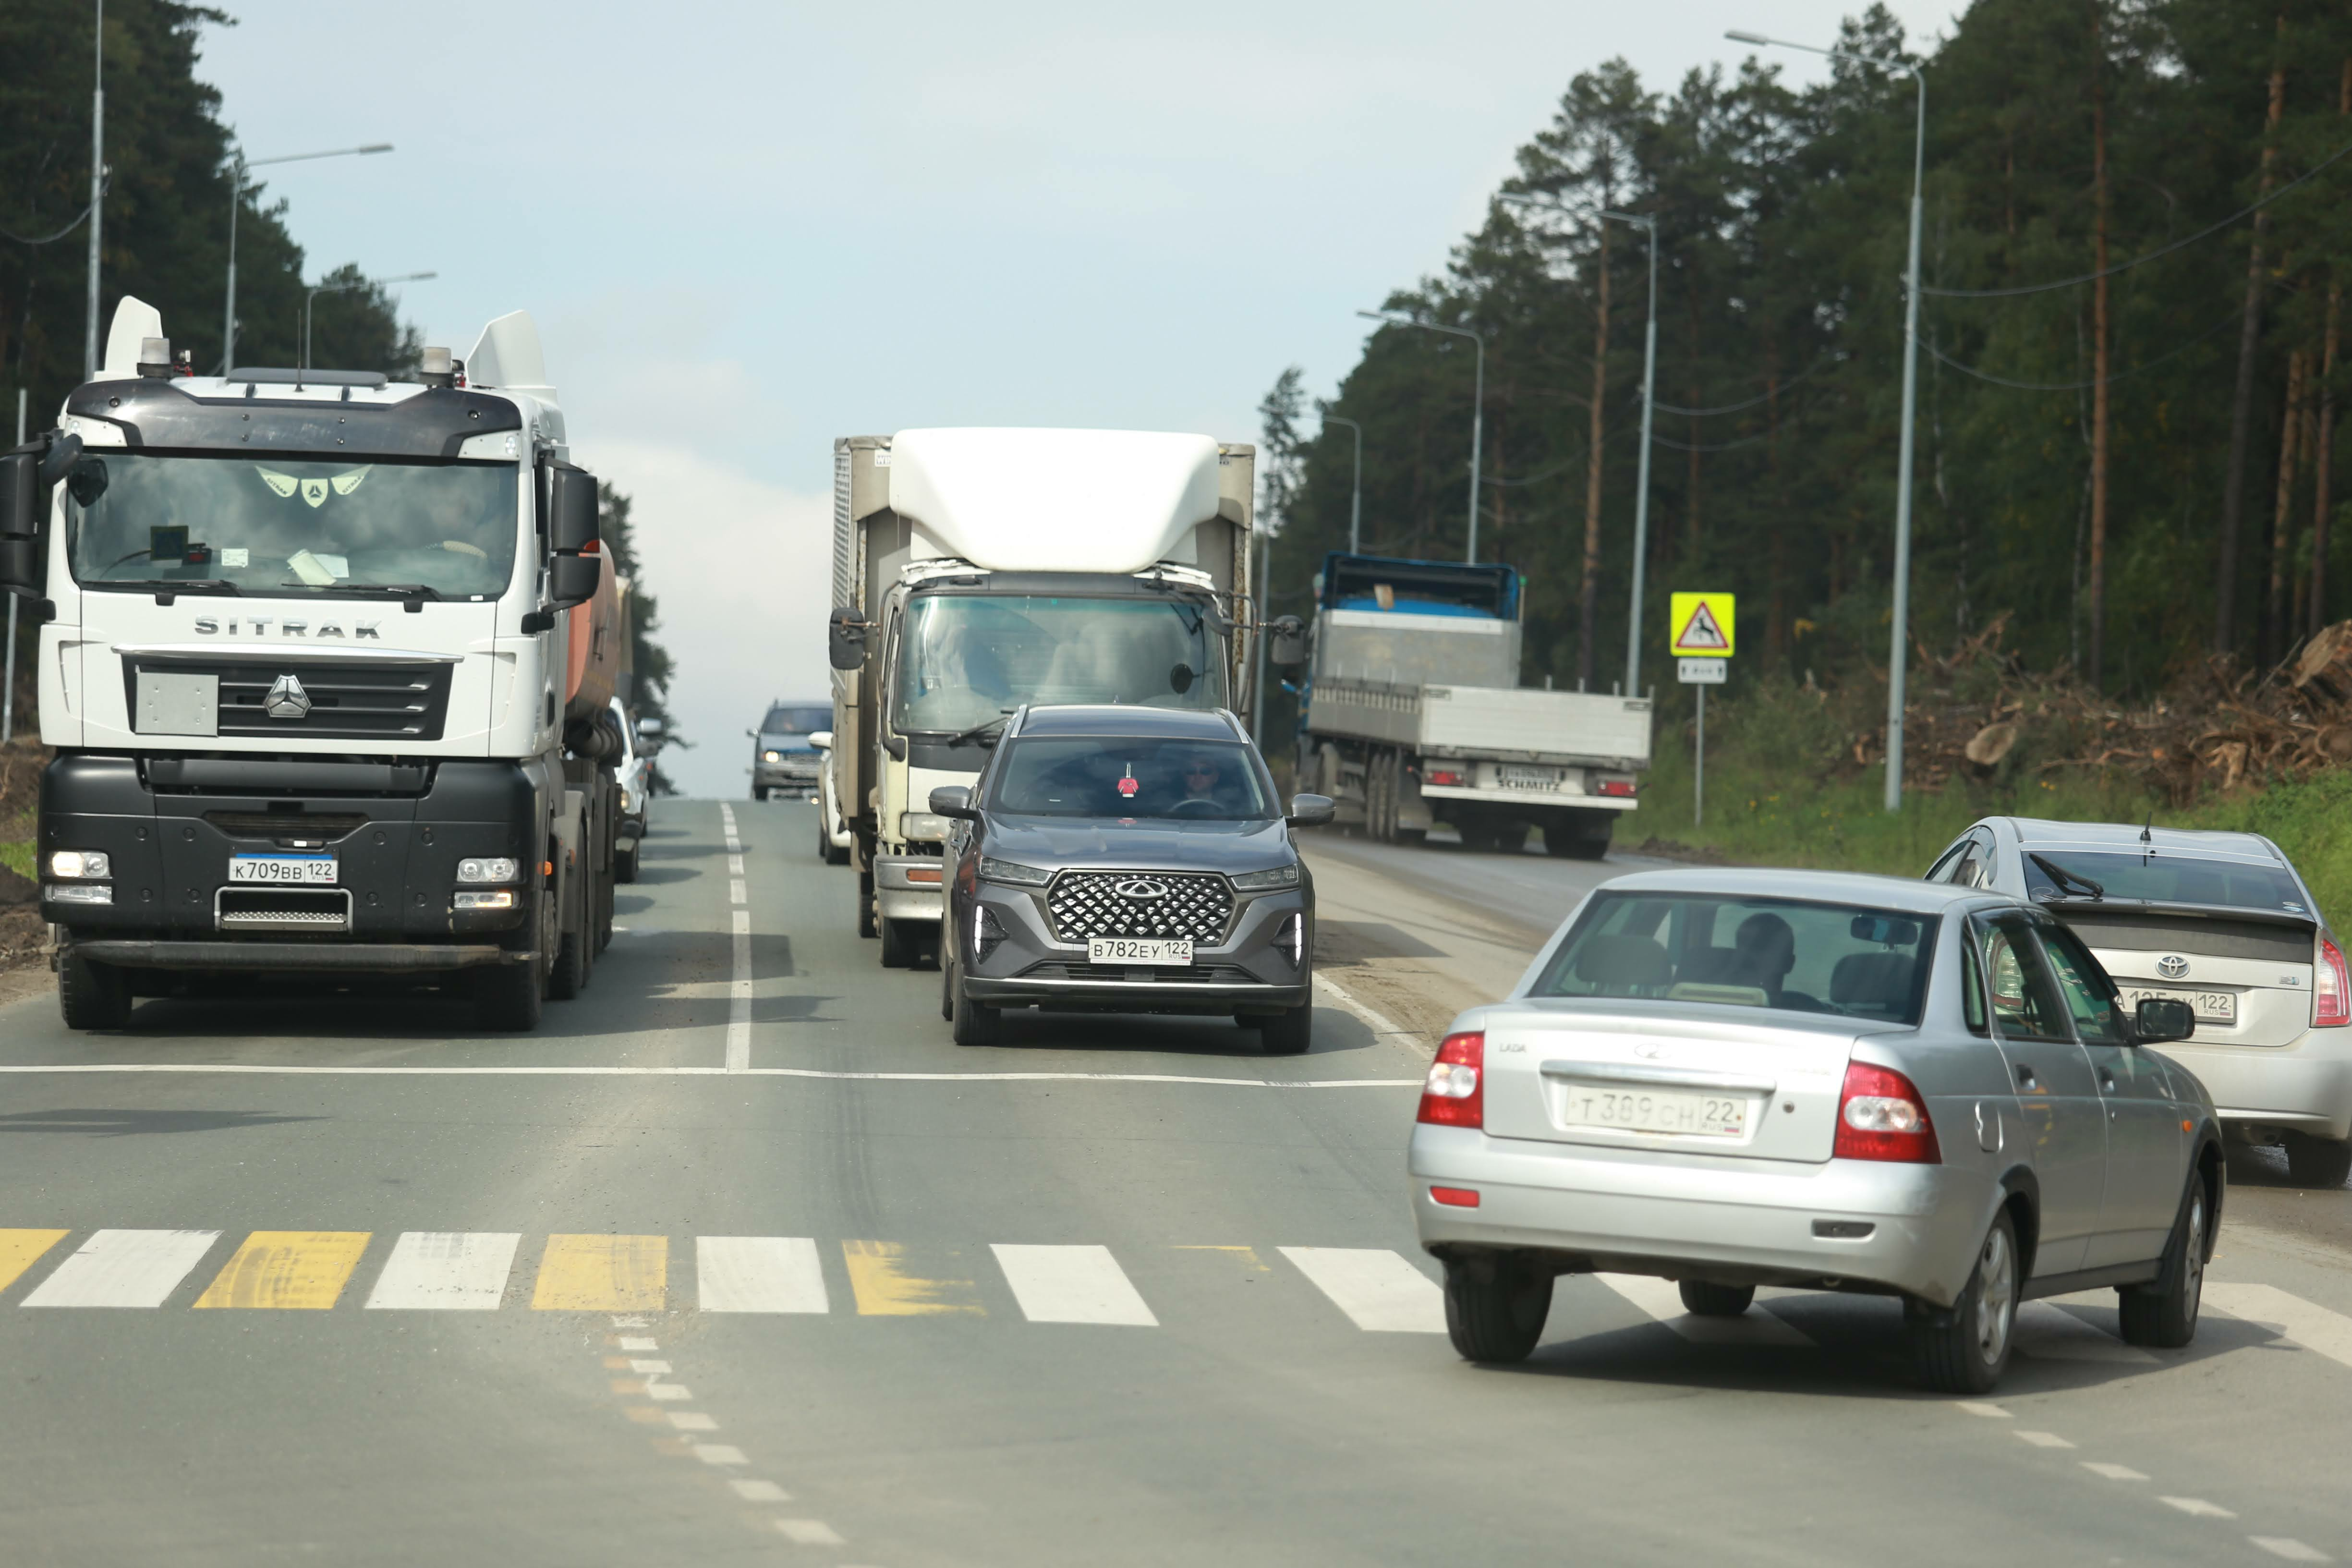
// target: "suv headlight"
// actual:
[[994, 870], [92, 863], [1262, 881], [772, 756], [497, 868]]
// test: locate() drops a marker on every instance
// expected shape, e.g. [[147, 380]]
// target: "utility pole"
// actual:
[[1356, 494], [97, 182], [1642, 485], [8, 663]]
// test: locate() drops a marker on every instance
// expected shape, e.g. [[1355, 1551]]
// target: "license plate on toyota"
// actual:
[[283, 871], [2210, 1006], [1131, 950], [1653, 1110]]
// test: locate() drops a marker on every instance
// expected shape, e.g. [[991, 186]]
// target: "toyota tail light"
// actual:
[[1882, 1115], [2331, 988], [1456, 1093]]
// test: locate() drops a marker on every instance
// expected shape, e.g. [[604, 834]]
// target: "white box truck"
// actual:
[[1412, 714], [977, 570], [327, 662]]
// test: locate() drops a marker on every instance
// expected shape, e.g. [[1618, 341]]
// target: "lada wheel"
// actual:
[[1965, 1349], [2164, 1314], [1494, 1309], [2317, 1161], [92, 995], [1701, 1300]]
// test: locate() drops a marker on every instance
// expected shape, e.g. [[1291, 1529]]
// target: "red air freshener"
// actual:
[[1129, 786]]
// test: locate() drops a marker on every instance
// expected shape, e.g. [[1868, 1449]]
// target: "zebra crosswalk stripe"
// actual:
[[447, 1270], [1072, 1285], [759, 1274], [1379, 1289], [124, 1268]]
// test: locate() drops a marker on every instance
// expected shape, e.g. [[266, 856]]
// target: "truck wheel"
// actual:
[[866, 904], [571, 955], [836, 855], [1572, 841], [507, 997], [1510, 838], [625, 862], [91, 996], [898, 945]]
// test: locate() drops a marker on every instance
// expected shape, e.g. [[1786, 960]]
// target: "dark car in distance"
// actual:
[[1128, 860]]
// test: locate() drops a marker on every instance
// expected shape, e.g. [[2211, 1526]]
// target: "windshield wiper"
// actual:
[[398, 590], [169, 584], [2064, 878], [983, 731]]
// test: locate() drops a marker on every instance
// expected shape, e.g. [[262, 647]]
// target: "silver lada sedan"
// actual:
[[1735, 1078]]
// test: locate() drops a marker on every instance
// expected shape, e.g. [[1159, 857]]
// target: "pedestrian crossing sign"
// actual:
[[1704, 624]]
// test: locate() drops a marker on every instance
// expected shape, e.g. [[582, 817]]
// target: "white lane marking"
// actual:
[[124, 1268], [672, 1393], [1380, 1023], [650, 1368], [734, 864], [2043, 1439], [1072, 1285], [760, 1274], [447, 1270], [1983, 1407], [631, 1320], [719, 1454], [735, 894], [2306, 1324], [245, 1069], [759, 1492], [2288, 1547], [638, 1342], [739, 996], [809, 1533], [2053, 1333], [1381, 1291], [2198, 1506], [692, 1421], [1662, 1299], [2112, 1472]]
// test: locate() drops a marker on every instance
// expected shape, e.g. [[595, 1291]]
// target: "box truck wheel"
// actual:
[[624, 861], [92, 995], [1578, 834], [899, 947], [865, 902]]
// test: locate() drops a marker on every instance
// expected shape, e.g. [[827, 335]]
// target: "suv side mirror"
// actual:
[[2160, 1020], [1285, 643], [1311, 810], [570, 508], [845, 635], [954, 801], [821, 739]]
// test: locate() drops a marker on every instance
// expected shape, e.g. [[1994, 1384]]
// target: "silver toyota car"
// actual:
[[1736, 1079]]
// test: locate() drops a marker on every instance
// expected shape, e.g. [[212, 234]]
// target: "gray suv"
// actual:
[[1128, 860], [784, 758]]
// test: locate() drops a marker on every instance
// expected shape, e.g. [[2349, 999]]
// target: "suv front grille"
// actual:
[[1177, 904]]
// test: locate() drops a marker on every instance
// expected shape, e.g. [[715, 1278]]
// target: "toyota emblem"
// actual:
[[286, 700], [2171, 966], [1140, 889]]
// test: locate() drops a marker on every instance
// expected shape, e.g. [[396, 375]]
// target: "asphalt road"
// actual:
[[773, 1271]]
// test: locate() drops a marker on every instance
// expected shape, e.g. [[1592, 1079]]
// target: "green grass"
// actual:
[[16, 853]]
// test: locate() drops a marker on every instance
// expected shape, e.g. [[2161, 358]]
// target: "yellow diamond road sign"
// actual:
[[1703, 625]]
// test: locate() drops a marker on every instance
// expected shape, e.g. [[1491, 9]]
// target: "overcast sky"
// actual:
[[745, 229]]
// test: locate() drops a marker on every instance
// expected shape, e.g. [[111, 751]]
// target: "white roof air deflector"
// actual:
[[1055, 500], [135, 319], [508, 357]]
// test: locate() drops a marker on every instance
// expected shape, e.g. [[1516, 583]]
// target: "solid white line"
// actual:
[[2053, 1333], [81, 1068], [1382, 1024], [124, 1268], [2305, 1323], [1072, 1285], [759, 1274], [448, 1270], [1378, 1289], [739, 996], [1663, 1300]]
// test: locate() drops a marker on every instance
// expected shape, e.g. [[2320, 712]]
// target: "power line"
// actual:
[[2215, 329], [79, 219]]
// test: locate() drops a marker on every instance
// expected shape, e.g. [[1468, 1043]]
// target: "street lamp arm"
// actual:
[[306, 157], [1478, 405]]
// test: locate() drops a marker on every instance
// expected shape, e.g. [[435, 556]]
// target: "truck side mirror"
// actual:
[[845, 635], [954, 801], [571, 580], [1285, 643], [821, 739], [570, 508], [21, 495], [1311, 810]]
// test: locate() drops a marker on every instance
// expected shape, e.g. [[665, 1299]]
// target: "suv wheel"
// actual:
[[975, 1023], [1287, 1033]]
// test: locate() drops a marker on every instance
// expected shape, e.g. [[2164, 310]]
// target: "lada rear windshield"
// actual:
[[970, 658], [2163, 878], [1780, 953], [1201, 781], [278, 526]]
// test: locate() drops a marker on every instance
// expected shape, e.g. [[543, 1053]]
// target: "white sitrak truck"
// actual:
[[327, 665], [975, 570]]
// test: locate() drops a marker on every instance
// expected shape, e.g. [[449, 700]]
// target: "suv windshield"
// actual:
[[1200, 781], [787, 720], [1748, 953], [969, 658], [2166, 880], [275, 525]]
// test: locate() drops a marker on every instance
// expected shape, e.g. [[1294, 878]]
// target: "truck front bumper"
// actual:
[[907, 886]]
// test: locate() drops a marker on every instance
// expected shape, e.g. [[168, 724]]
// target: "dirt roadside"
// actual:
[[1418, 957]]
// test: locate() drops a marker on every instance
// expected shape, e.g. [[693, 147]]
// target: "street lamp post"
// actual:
[[237, 203], [1477, 406], [1356, 493], [97, 181], [343, 287], [1902, 615]]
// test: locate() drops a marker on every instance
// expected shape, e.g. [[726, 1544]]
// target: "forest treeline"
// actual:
[[2130, 385]]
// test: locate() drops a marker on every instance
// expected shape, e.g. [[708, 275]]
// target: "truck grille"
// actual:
[[347, 700], [1173, 904]]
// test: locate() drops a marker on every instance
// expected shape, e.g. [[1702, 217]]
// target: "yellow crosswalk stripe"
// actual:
[[603, 1274], [20, 1249], [291, 1268], [879, 1276]]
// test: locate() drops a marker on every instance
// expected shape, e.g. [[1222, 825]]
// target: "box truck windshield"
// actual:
[[967, 658], [278, 525]]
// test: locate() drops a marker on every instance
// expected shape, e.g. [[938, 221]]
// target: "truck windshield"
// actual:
[[967, 658], [279, 526]]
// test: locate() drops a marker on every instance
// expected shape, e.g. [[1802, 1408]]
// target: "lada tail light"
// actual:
[[2331, 988], [1883, 1116], [1455, 1094]]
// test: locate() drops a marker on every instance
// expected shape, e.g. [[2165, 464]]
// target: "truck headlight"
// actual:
[[488, 868], [922, 826], [79, 893], [501, 899], [77, 863], [1018, 876], [1260, 881]]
